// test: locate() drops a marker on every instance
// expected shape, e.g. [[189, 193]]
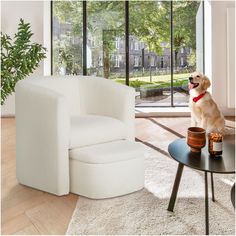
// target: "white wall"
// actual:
[[11, 12], [216, 51], [199, 39], [231, 57]]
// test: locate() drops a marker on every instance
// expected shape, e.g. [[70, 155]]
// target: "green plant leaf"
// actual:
[[19, 58]]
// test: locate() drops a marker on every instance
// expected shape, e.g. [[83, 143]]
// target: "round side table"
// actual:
[[225, 164]]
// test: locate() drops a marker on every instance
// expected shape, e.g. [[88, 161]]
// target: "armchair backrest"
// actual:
[[88, 95], [64, 85]]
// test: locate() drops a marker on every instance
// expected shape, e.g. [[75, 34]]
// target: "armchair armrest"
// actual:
[[42, 138], [109, 98]]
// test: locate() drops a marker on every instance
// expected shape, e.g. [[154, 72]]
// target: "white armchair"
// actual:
[[56, 114]]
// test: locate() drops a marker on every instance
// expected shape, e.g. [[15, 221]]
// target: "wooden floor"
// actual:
[[29, 211], [26, 210]]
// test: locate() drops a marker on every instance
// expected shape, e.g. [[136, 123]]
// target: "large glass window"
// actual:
[[187, 32], [105, 27], [165, 41], [67, 38], [149, 23]]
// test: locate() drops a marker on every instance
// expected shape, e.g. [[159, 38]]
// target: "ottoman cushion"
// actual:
[[107, 170], [107, 152]]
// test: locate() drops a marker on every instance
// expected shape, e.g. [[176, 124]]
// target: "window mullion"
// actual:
[[84, 37]]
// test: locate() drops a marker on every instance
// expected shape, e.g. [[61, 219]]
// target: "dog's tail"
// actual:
[[229, 131]]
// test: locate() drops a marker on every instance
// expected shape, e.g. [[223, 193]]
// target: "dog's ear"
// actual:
[[206, 83]]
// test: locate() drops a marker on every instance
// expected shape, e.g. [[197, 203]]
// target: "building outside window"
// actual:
[[182, 61], [136, 45], [152, 62], [162, 62], [131, 46], [136, 61], [117, 61], [117, 42]]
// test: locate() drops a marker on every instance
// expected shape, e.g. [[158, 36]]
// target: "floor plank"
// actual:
[[29, 230], [15, 224]]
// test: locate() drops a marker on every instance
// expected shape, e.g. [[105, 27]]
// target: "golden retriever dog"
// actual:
[[204, 111]]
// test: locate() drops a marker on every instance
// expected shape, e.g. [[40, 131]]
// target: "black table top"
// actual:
[[225, 164]]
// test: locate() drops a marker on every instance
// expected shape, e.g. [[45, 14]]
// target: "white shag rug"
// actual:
[[145, 212]]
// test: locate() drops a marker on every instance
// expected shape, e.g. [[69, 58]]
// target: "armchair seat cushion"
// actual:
[[93, 129]]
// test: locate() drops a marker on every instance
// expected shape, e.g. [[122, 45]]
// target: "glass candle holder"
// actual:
[[215, 144]]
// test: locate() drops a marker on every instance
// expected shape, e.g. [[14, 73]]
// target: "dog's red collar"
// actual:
[[195, 99]]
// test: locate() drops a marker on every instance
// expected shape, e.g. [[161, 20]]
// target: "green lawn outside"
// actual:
[[157, 81]]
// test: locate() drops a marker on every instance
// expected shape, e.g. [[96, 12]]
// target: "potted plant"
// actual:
[[19, 58]]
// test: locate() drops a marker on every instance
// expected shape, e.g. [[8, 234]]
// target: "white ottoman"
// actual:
[[107, 170]]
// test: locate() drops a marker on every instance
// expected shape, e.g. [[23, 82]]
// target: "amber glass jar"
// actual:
[[215, 144]]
